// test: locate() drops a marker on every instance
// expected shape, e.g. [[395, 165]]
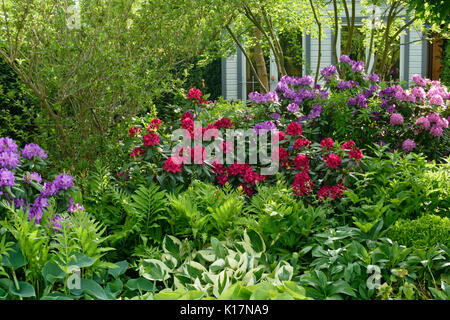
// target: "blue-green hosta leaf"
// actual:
[[140, 284], [25, 290], [81, 261], [52, 272], [15, 258], [94, 290], [122, 266]]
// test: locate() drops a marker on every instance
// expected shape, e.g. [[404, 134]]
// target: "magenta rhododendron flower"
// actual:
[[396, 119], [333, 161], [150, 139], [408, 145], [327, 143]]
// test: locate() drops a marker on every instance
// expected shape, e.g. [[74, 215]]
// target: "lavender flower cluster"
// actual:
[[316, 111], [257, 97], [261, 128], [10, 161]]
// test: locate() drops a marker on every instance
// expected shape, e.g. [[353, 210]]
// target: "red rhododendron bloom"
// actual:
[[171, 166], [348, 145], [327, 143], [222, 179], [137, 152], [331, 192], [302, 184], [154, 124], [280, 135], [294, 129], [301, 143], [226, 146], [301, 161], [198, 154], [133, 131], [355, 153], [194, 94], [223, 123], [280, 154], [187, 124], [333, 161], [187, 115], [151, 139]]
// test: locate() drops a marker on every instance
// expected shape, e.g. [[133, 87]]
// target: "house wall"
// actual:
[[413, 58]]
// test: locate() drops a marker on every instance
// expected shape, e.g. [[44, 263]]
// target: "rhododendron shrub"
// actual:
[[361, 109], [23, 184]]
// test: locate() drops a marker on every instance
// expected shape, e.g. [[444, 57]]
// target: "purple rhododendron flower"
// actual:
[[328, 72], [63, 181], [33, 150], [408, 145], [6, 178], [32, 176], [374, 77], [49, 189], [293, 107], [345, 58], [72, 207], [275, 115], [8, 145], [257, 97], [9, 160], [261, 128]]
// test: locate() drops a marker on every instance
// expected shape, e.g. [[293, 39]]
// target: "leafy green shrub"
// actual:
[[219, 269], [204, 210], [395, 186], [284, 222], [423, 232]]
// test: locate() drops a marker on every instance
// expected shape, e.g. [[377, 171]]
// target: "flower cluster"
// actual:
[[257, 97], [196, 94], [24, 195]]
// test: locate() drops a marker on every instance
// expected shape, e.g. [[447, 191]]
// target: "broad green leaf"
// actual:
[[15, 258], [121, 268], [140, 284], [25, 289], [52, 272]]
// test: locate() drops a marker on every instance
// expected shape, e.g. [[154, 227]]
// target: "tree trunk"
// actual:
[[260, 62]]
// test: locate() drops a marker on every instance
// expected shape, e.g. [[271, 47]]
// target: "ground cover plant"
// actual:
[[356, 208]]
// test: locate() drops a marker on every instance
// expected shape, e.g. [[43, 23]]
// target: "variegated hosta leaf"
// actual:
[[283, 272], [169, 261], [217, 266], [231, 262], [207, 255], [154, 270], [249, 278], [253, 242], [223, 282], [194, 269], [172, 245]]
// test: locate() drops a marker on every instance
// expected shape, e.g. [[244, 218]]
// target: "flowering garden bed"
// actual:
[[313, 191]]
